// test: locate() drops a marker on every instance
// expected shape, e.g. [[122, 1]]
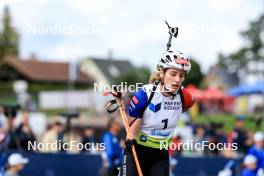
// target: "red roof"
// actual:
[[44, 71]]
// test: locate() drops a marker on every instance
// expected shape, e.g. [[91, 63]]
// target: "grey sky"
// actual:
[[133, 30]]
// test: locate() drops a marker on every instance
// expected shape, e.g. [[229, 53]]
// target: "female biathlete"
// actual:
[[153, 114]]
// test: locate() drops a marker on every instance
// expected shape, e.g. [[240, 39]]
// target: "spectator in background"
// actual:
[[16, 163], [250, 166], [113, 152], [250, 138], [8, 136], [72, 135], [199, 135], [3, 143], [258, 149], [240, 135], [2, 129], [52, 136], [199, 138], [12, 140], [24, 132], [88, 137], [214, 136]]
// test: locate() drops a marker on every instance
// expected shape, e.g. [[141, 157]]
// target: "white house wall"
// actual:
[[90, 68]]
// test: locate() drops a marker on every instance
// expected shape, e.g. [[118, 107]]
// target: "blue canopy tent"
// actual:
[[257, 88]]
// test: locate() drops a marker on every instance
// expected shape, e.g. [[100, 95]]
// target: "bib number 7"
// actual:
[[165, 121]]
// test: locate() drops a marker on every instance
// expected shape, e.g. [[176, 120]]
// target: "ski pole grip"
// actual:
[[111, 106]]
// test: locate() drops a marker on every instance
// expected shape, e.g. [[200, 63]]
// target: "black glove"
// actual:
[[129, 144]]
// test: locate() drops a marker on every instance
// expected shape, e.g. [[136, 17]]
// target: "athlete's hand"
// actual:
[[129, 144]]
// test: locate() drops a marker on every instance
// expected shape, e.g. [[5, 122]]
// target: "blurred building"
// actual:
[[22, 80], [105, 71], [35, 71], [218, 77]]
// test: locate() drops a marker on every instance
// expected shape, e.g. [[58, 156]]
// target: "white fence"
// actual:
[[72, 99]]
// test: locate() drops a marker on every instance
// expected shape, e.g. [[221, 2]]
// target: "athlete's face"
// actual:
[[173, 79]]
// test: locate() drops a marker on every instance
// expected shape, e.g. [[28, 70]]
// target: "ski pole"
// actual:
[[173, 31], [120, 105]]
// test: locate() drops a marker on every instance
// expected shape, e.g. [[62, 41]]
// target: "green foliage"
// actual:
[[9, 38], [195, 76], [251, 53], [228, 122]]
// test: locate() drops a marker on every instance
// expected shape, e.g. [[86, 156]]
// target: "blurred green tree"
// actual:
[[249, 59], [9, 38], [195, 76]]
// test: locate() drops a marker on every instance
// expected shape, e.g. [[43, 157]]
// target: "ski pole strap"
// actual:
[[132, 122], [111, 106], [153, 90]]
